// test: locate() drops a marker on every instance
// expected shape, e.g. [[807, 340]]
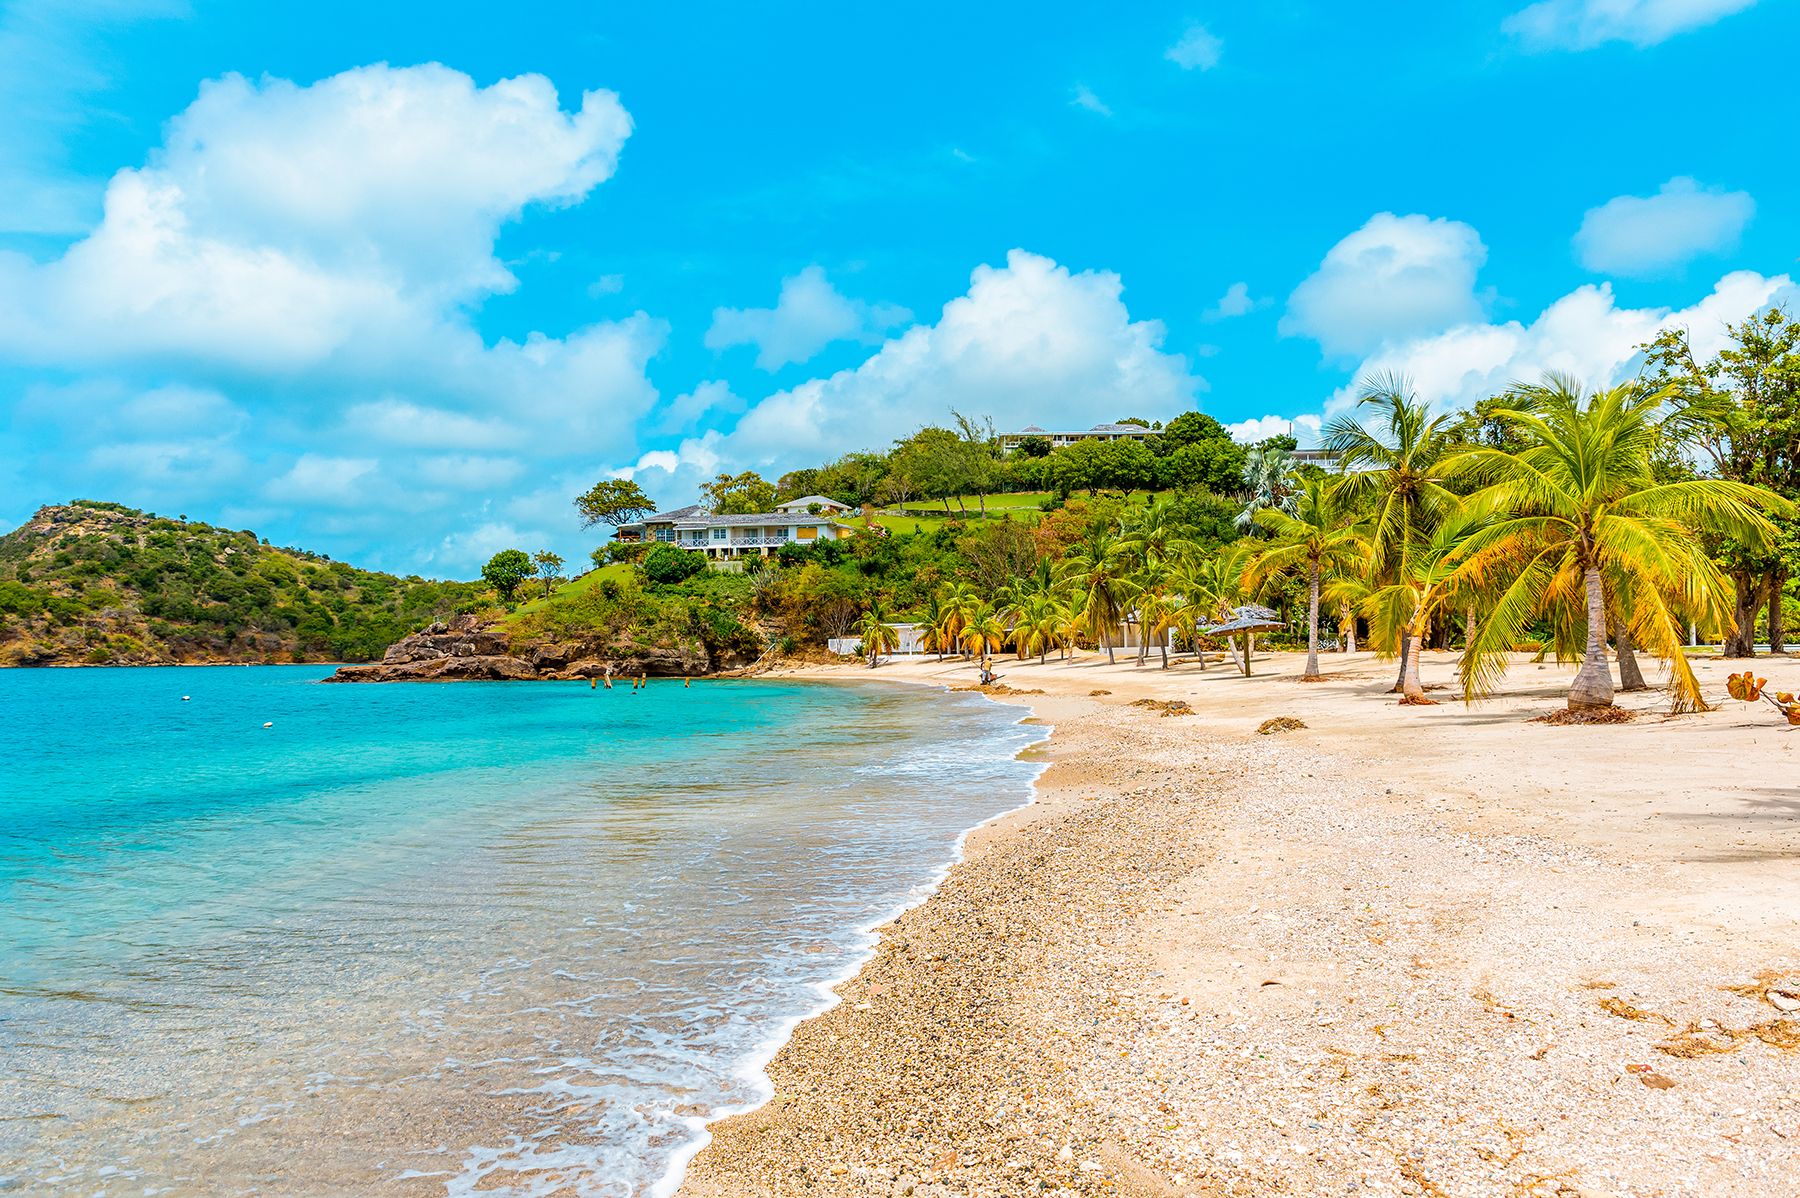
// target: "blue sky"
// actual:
[[393, 282]]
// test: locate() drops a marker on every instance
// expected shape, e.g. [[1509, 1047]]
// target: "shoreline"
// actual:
[[1036, 1023], [755, 1069]]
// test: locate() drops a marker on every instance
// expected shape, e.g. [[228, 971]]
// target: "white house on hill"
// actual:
[[1100, 432], [730, 537]]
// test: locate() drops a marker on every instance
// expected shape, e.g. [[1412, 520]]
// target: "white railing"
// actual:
[[750, 542]]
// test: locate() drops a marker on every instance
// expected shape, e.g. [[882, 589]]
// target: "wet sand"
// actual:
[[1428, 950]]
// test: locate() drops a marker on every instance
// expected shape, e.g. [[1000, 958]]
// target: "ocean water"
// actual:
[[440, 939]]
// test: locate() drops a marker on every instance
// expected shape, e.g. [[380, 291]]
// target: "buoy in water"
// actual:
[[593, 684], [269, 723], [184, 698]]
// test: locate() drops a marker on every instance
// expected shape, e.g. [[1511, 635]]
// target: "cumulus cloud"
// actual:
[[316, 478], [713, 397], [1394, 278], [1237, 301], [1584, 334], [1196, 49], [1584, 24], [808, 315], [1029, 342], [1304, 429], [1649, 235], [311, 255]]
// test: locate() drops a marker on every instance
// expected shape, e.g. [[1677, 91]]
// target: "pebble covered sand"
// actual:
[[1451, 954]]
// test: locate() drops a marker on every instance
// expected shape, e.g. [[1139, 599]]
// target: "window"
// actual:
[[719, 534], [665, 534]]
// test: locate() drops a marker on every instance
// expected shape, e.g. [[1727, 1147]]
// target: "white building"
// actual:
[[731, 537], [912, 642], [1100, 432]]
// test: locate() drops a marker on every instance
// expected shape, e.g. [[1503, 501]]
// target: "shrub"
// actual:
[[670, 563]]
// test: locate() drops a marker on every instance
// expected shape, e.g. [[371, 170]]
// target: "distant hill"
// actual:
[[103, 584]]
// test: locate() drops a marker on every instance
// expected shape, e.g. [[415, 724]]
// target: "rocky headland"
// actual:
[[470, 648]]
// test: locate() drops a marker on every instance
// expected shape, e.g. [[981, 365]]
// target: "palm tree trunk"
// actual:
[[1406, 643], [1741, 641], [1630, 677], [1412, 689], [1143, 642], [1593, 686], [1163, 648], [1777, 633], [1312, 626], [1469, 626], [1349, 624]]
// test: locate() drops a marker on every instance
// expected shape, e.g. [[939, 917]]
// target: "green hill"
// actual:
[[103, 584]]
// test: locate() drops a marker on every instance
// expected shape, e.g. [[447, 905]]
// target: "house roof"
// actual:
[[807, 500], [1129, 430]]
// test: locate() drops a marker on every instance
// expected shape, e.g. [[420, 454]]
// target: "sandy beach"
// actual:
[[1401, 950]]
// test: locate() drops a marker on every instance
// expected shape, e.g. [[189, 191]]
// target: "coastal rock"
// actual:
[[485, 667], [468, 647]]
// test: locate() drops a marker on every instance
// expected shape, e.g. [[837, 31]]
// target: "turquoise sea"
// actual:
[[440, 939]]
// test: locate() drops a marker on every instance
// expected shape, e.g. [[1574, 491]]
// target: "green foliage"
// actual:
[[613, 501], [506, 570], [105, 581], [671, 563], [738, 494]]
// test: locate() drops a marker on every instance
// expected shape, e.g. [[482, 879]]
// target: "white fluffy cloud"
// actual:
[[1237, 301], [1585, 334], [808, 315], [1394, 278], [1648, 235], [1584, 24], [1304, 429], [314, 253], [1197, 49], [1030, 342]]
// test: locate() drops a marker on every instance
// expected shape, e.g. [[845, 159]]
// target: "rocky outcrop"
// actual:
[[468, 648]]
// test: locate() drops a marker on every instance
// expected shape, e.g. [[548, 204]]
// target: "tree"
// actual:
[[549, 566], [1097, 570], [1316, 540], [1393, 472], [506, 570], [1741, 409], [878, 636], [668, 564], [983, 632], [613, 501], [738, 494], [1033, 446], [1269, 479], [1581, 504]]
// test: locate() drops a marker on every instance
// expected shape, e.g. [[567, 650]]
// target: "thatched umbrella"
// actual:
[[1249, 619]]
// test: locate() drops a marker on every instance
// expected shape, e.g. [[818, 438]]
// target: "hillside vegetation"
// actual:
[[103, 584]]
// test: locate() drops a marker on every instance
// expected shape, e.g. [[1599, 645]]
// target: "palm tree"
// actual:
[[1392, 468], [1269, 478], [1211, 585], [878, 636], [932, 636], [1579, 505], [958, 599], [1317, 538], [1097, 568], [1154, 535], [983, 631], [1037, 624], [1155, 605]]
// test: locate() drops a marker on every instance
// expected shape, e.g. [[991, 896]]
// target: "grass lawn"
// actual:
[[568, 590]]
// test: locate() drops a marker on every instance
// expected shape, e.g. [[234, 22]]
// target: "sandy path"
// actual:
[[1405, 950]]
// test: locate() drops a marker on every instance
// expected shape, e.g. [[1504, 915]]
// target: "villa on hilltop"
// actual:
[[725, 538], [1100, 432]]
